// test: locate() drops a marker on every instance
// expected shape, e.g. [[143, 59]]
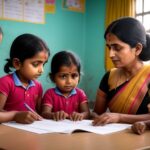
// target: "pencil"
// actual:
[[30, 109]]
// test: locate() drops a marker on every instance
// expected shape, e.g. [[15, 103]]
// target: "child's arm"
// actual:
[[139, 127], [7, 116], [48, 114], [84, 113], [3, 100], [18, 116], [38, 105]]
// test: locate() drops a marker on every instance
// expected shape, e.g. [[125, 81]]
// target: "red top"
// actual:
[[53, 98]]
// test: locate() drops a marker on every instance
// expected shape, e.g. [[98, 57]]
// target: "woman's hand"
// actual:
[[139, 127], [106, 118]]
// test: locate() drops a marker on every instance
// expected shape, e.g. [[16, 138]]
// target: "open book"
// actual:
[[68, 126]]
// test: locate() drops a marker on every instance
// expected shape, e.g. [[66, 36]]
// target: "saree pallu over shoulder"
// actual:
[[129, 97]]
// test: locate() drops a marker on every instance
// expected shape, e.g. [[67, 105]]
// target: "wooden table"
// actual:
[[16, 139]]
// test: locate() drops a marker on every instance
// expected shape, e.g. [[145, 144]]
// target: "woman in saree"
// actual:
[[124, 91]]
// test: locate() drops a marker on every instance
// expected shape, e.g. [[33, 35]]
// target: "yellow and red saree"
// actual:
[[130, 96]]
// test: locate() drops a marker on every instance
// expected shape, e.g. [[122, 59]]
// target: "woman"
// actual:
[[125, 89]]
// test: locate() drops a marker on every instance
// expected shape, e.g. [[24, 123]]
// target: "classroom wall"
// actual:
[[94, 46], [80, 32]]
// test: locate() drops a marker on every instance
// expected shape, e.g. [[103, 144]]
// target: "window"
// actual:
[[143, 13]]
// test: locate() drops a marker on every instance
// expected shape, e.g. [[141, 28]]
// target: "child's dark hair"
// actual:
[[64, 58], [23, 47], [1, 31]]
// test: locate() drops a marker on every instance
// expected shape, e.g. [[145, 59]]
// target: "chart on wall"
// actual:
[[50, 6], [23, 10]]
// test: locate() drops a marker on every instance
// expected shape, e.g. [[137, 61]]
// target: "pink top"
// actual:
[[53, 98], [11, 87]]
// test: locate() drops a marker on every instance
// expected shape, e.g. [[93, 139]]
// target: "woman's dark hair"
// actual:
[[132, 32], [64, 58], [23, 47]]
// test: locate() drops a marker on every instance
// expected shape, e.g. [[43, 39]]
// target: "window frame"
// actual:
[[142, 14]]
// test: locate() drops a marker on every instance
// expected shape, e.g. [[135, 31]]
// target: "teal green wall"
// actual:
[[80, 32], [94, 46]]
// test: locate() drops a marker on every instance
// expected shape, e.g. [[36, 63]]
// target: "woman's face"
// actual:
[[121, 54]]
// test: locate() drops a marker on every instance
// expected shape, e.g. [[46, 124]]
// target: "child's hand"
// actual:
[[25, 117], [59, 115], [139, 127], [75, 116]]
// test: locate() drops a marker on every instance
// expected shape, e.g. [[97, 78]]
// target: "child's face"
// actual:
[[32, 68], [1, 37], [67, 79]]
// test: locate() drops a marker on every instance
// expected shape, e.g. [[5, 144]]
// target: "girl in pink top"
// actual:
[[19, 90], [65, 100]]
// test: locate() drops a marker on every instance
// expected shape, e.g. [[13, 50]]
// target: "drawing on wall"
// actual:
[[50, 6], [74, 5]]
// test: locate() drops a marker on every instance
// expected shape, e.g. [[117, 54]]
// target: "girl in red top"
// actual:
[[65, 100], [19, 90]]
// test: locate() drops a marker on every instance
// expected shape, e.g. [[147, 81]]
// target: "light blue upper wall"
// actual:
[[80, 32], [94, 46]]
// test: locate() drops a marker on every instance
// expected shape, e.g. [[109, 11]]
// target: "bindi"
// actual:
[[108, 37]]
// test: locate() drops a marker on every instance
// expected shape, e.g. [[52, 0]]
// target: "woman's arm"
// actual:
[[127, 118], [106, 118], [100, 103]]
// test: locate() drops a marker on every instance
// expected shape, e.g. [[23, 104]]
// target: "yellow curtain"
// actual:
[[116, 9]]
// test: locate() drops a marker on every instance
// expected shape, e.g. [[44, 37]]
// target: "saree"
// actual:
[[130, 96]]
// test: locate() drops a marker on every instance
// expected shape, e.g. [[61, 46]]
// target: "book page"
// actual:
[[67, 126]]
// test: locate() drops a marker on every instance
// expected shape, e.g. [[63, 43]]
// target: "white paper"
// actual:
[[13, 9], [23, 10], [34, 11], [67, 126]]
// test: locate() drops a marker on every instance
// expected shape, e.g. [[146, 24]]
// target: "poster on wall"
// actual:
[[34, 11], [12, 9], [74, 5], [23, 10], [50, 6]]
